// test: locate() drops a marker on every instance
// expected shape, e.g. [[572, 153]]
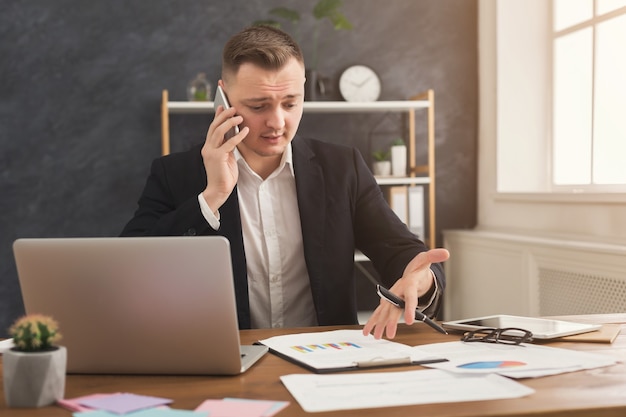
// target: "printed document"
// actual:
[[523, 361], [345, 349], [349, 391]]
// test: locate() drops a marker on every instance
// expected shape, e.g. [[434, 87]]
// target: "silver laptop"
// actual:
[[149, 305]]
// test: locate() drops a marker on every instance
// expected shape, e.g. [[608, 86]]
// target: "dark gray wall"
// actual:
[[80, 89]]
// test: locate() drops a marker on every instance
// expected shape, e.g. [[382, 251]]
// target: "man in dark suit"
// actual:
[[294, 209]]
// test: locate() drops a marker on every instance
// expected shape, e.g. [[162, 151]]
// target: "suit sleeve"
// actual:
[[168, 205], [385, 239]]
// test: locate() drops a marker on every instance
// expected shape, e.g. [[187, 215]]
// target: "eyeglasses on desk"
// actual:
[[506, 336]]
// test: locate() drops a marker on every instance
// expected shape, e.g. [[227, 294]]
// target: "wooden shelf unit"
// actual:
[[425, 100]]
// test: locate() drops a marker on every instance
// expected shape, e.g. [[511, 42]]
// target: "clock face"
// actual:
[[359, 83]]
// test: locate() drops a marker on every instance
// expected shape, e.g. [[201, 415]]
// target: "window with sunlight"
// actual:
[[589, 94]]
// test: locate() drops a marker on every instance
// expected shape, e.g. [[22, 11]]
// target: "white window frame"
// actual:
[[522, 94], [555, 35]]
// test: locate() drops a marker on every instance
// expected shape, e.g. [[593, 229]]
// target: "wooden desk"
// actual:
[[598, 393]]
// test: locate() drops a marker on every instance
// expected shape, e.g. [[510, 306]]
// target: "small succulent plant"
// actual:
[[380, 155], [35, 333]]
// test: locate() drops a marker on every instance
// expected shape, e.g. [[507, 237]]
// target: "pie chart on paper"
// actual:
[[491, 365]]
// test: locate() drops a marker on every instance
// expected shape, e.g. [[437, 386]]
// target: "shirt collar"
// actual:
[[287, 158]]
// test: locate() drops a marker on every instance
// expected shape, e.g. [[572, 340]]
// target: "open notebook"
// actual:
[[149, 305]]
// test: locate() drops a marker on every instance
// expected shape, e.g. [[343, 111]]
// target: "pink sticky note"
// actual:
[[124, 403], [220, 408], [273, 407]]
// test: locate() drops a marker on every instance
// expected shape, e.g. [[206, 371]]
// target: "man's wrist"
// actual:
[[213, 218], [429, 295]]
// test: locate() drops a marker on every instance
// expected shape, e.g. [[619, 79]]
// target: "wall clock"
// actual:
[[359, 83]]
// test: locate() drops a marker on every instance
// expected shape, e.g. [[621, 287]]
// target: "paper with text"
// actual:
[[343, 349], [316, 393], [525, 361]]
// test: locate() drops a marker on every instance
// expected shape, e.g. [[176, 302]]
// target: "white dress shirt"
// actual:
[[278, 280]]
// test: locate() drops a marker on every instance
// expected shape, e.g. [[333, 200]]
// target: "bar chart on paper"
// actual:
[[343, 350], [326, 346]]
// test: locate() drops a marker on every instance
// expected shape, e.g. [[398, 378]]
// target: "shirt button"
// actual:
[[190, 232]]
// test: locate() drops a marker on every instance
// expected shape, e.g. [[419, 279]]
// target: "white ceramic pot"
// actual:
[[34, 379], [398, 161], [382, 168]]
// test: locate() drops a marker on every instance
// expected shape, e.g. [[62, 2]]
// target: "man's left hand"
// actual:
[[416, 281]]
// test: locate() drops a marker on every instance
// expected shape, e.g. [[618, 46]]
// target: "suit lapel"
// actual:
[[310, 190]]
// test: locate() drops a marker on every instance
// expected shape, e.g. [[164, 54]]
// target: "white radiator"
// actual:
[[496, 272], [565, 292]]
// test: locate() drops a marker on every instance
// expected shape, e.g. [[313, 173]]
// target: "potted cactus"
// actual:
[[34, 369]]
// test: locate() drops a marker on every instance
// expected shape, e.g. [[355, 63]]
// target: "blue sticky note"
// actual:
[[167, 412], [95, 413]]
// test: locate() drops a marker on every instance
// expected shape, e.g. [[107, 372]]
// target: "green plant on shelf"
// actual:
[[323, 9], [380, 155]]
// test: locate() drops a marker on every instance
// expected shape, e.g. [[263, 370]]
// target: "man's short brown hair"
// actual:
[[264, 46]]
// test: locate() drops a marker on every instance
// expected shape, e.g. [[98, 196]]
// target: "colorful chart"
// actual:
[[325, 346], [491, 364]]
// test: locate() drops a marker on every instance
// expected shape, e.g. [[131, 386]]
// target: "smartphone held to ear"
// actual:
[[220, 99]]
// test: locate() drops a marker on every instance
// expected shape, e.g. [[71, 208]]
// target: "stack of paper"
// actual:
[[471, 372], [387, 389], [524, 361]]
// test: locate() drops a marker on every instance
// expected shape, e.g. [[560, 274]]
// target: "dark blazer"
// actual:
[[341, 208]]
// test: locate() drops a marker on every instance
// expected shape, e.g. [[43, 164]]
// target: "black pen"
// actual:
[[398, 302]]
